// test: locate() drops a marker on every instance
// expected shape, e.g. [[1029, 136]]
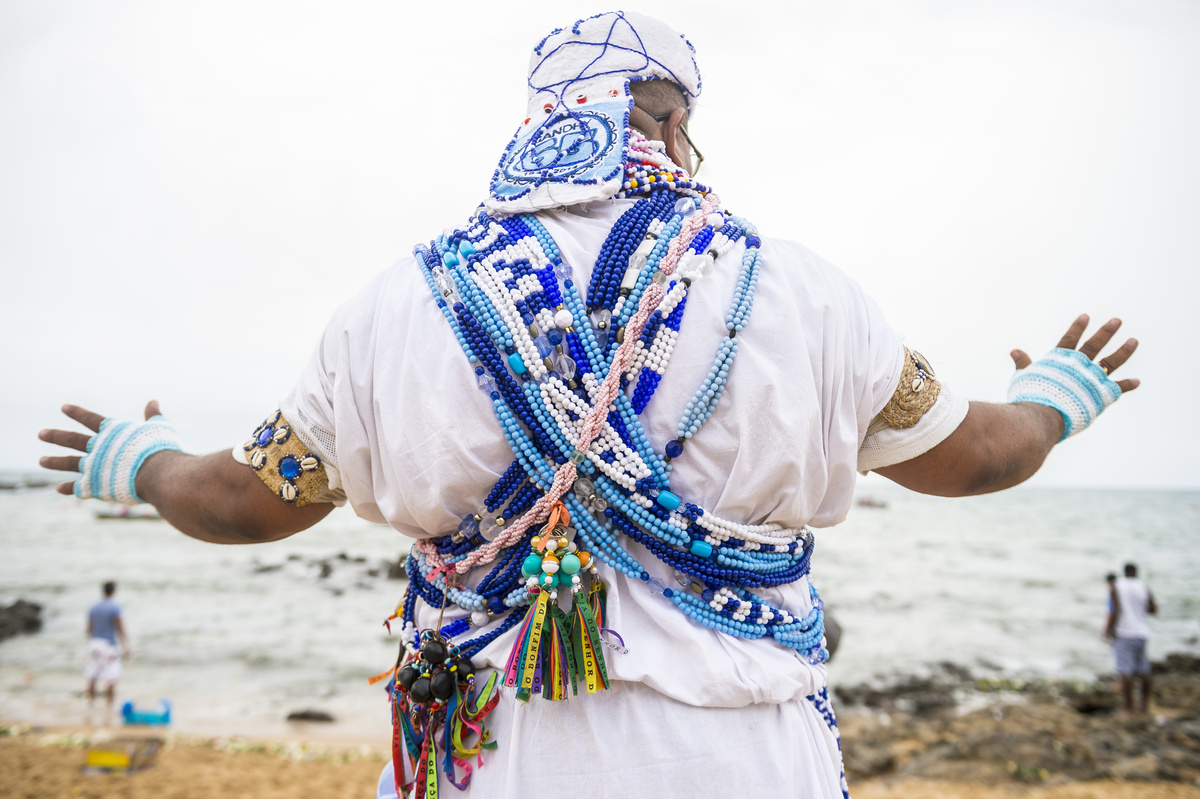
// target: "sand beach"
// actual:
[[938, 735]]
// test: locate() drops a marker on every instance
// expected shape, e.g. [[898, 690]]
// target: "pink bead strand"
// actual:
[[565, 475]]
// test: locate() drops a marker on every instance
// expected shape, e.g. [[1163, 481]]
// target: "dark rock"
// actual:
[[264, 568], [310, 715], [326, 570], [1034, 731], [867, 761], [396, 570], [833, 634], [20, 617]]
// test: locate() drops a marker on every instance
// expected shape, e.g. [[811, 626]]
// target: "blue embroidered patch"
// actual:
[[579, 147]]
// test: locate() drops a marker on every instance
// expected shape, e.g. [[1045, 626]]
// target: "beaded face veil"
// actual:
[[568, 369], [571, 146]]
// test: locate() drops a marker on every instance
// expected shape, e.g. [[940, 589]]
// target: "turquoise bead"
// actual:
[[701, 548], [450, 259], [669, 501], [532, 565], [569, 565], [517, 364]]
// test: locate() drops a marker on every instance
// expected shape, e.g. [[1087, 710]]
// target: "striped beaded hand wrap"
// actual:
[[115, 454], [1069, 382]]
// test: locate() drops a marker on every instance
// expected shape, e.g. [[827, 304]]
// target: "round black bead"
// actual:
[[442, 685], [421, 691], [465, 669], [433, 651], [407, 676]]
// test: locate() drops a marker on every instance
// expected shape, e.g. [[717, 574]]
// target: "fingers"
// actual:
[[65, 488], [60, 463], [85, 417], [152, 410], [65, 438], [1129, 384], [1070, 339], [1113, 361], [1097, 342], [1020, 358]]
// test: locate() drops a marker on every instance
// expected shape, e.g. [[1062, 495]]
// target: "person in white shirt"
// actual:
[[1128, 629]]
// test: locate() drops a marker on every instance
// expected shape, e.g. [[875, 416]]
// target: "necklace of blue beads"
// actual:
[[541, 350]]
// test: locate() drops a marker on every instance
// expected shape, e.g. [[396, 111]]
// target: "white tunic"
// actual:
[[389, 401]]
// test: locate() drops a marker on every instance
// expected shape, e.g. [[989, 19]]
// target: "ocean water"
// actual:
[[237, 637]]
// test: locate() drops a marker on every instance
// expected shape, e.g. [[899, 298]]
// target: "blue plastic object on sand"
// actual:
[[154, 717]]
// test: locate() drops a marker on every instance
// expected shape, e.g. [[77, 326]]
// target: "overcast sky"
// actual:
[[188, 190]]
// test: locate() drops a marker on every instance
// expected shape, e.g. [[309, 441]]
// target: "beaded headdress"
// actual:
[[571, 148]]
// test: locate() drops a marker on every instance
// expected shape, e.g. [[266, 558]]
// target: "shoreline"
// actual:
[[938, 735]]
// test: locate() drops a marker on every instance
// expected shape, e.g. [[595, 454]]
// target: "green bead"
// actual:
[[569, 565], [532, 565]]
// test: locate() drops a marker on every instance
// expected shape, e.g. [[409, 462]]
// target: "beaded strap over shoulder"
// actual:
[[567, 377]]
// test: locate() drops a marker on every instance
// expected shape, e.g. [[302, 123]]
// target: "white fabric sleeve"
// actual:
[[885, 446]]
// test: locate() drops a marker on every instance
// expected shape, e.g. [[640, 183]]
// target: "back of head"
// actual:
[[654, 99], [571, 146], [1110, 577], [1130, 570], [110, 588]]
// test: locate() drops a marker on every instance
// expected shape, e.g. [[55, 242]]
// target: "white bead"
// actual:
[[479, 618], [563, 319]]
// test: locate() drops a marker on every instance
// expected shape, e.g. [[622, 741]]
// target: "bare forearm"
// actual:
[[996, 447], [214, 498]]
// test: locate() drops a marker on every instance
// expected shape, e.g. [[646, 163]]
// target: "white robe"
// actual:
[[389, 402]]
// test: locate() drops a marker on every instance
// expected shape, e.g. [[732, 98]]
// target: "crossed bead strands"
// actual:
[[557, 378]]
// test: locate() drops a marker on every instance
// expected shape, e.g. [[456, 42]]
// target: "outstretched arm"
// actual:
[[1000, 445], [210, 497]]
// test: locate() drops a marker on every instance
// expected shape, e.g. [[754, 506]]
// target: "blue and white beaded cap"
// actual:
[[571, 147]]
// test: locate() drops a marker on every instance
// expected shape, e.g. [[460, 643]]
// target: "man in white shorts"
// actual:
[[106, 640], [1129, 629]]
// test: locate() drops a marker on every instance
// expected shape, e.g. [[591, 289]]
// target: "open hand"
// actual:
[[1091, 348], [77, 441]]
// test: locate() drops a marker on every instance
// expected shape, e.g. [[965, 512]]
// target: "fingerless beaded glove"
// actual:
[[1070, 383], [115, 454]]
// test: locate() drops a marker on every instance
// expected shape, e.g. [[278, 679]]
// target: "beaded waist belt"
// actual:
[[567, 377]]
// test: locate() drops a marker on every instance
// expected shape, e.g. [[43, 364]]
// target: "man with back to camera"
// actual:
[[1128, 628], [106, 643], [609, 444]]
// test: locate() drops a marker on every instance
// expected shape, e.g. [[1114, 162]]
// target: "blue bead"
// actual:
[[264, 437], [289, 467], [701, 549], [669, 501], [517, 364], [674, 449]]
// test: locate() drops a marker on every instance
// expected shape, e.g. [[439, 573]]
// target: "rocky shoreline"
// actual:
[[949, 725]]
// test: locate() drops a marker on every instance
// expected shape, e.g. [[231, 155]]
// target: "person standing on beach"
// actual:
[[1128, 628], [526, 397], [106, 644]]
